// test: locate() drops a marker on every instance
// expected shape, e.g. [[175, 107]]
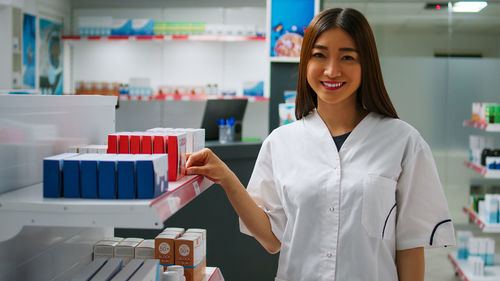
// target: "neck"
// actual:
[[339, 118]]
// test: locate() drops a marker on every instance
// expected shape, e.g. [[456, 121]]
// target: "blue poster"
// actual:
[[51, 58], [289, 20], [29, 51]]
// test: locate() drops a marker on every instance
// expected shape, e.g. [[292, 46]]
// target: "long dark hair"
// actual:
[[371, 93]]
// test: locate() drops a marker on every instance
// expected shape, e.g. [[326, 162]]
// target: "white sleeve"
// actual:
[[265, 192], [423, 218]]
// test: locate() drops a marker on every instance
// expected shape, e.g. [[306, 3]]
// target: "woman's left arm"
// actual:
[[411, 264]]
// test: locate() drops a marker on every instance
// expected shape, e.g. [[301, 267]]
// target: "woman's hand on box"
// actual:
[[206, 163]]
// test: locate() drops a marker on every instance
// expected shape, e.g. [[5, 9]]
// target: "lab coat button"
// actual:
[[331, 209], [329, 255]]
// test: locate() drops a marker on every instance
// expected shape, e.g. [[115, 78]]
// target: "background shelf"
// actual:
[[222, 38], [189, 97], [487, 173], [491, 273], [482, 126], [484, 226], [27, 206]]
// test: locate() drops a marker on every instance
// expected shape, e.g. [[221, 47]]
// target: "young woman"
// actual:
[[349, 191]]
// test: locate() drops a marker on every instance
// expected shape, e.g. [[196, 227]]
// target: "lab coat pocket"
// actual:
[[379, 206]]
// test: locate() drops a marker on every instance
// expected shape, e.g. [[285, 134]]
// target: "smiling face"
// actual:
[[334, 69]]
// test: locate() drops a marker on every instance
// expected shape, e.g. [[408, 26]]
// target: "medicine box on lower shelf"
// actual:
[[480, 222], [464, 270], [26, 206]]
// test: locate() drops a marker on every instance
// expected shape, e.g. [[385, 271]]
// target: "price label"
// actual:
[[196, 188]]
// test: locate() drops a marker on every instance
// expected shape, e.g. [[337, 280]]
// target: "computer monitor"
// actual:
[[221, 108]]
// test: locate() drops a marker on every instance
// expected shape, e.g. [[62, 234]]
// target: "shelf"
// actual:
[[26, 206], [218, 38], [491, 273], [484, 226], [483, 126], [285, 59], [486, 173], [189, 97]]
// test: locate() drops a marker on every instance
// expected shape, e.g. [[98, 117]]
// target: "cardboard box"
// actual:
[[147, 144], [89, 175], [145, 250], [128, 270], [189, 253], [125, 249], [105, 249], [113, 143], [110, 269], [126, 188], [135, 143], [152, 175], [165, 248], [52, 175], [176, 155], [108, 182], [149, 271]]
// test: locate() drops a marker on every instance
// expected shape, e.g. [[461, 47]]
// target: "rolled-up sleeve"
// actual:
[[265, 191], [423, 218]]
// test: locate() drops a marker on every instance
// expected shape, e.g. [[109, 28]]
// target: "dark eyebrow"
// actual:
[[345, 49]]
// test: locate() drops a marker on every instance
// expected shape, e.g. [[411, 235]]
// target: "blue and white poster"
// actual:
[[51, 58], [289, 20], [29, 51]]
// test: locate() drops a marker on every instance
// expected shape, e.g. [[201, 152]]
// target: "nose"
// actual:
[[332, 68]]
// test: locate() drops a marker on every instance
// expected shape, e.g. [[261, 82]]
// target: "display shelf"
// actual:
[[462, 267], [485, 172], [26, 206], [189, 97], [484, 226], [221, 38], [482, 126]]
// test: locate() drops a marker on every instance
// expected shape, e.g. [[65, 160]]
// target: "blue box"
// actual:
[[71, 177], [143, 27], [152, 176], [89, 175], [52, 175], [121, 27], [126, 176], [107, 188]]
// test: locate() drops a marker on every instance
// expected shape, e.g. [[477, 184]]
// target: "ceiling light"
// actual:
[[469, 6]]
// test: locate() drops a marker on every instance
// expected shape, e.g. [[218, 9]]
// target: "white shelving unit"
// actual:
[[491, 273], [483, 126], [463, 269], [27, 206], [485, 172]]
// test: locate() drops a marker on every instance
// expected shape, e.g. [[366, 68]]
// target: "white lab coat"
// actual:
[[342, 215]]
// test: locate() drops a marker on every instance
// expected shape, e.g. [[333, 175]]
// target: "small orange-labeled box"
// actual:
[[189, 252], [165, 248]]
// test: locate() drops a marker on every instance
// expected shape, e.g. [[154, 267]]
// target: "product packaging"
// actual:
[[151, 175], [126, 177], [105, 249], [108, 183], [145, 250], [52, 175], [90, 270], [189, 253], [165, 248], [110, 269], [126, 249], [150, 270], [128, 270]]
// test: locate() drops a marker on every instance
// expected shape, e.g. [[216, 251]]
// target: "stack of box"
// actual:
[[111, 269], [470, 247], [175, 142], [105, 176], [188, 249]]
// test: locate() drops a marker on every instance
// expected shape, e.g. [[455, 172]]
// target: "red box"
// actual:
[[112, 143], [160, 144], [135, 144], [147, 144], [176, 155], [124, 144]]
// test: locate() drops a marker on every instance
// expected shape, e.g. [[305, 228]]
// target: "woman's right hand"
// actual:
[[206, 163]]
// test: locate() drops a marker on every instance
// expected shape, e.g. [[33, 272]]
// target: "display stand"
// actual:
[[463, 269], [485, 172], [484, 226]]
